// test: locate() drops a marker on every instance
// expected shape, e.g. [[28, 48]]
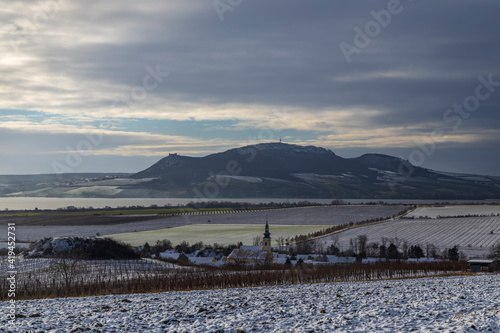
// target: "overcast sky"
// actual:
[[101, 86]]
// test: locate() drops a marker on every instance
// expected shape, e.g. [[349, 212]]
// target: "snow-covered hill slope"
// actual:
[[453, 304]]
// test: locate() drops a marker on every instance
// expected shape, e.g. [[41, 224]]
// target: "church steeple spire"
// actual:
[[267, 234], [266, 241]]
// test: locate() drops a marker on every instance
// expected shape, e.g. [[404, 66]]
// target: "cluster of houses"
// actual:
[[245, 254], [254, 255], [261, 255]]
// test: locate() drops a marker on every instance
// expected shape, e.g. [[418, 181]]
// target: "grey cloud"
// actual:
[[285, 52], [277, 53]]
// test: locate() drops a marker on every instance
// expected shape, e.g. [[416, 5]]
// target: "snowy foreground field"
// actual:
[[452, 304]]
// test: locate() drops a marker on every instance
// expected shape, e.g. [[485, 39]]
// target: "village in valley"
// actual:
[[228, 238], [266, 255], [330, 260]]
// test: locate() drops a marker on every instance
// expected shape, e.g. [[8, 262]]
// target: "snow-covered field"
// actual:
[[473, 235], [325, 215], [328, 215], [451, 304], [224, 234], [231, 228], [455, 210]]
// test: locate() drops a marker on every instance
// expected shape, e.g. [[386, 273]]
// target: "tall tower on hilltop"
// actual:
[[266, 241]]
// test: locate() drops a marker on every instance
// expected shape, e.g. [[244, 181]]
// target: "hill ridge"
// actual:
[[291, 170]]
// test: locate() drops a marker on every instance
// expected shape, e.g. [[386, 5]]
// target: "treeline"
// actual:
[[228, 277], [201, 205], [387, 248], [249, 205]]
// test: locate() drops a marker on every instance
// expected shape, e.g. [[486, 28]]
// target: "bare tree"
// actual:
[[384, 241], [323, 248], [268, 260], [362, 239], [405, 249], [353, 242], [67, 268], [496, 250], [373, 249], [431, 251], [335, 240], [303, 246], [257, 240], [281, 241]]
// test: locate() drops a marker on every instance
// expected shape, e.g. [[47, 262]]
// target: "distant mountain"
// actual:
[[267, 170], [284, 170]]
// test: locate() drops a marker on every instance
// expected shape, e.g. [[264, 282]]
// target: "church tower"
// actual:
[[266, 241]]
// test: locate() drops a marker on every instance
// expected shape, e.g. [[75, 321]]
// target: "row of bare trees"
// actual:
[[389, 248], [77, 283]]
